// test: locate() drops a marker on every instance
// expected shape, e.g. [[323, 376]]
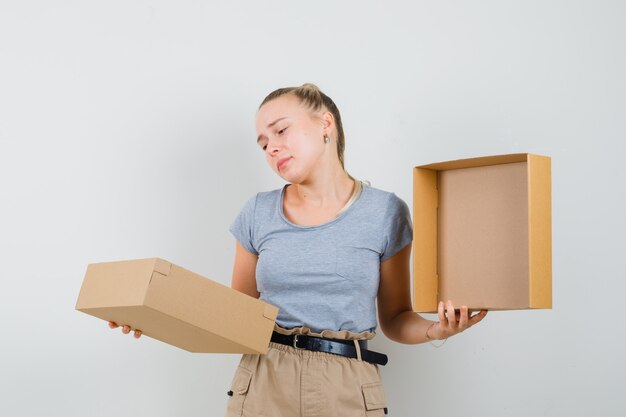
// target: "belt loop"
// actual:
[[245, 360], [358, 349], [249, 361]]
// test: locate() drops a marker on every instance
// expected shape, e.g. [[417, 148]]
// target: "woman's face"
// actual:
[[292, 137]]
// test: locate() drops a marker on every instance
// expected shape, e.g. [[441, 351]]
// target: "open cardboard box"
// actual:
[[177, 306], [483, 233]]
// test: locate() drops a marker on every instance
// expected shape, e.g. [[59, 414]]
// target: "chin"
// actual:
[[291, 178]]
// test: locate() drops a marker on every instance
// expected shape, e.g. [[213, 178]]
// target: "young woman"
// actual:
[[324, 248], [327, 250]]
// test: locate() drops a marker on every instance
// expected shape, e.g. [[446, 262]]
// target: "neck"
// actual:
[[332, 189]]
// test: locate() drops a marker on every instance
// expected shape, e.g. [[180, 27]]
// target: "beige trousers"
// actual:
[[290, 382]]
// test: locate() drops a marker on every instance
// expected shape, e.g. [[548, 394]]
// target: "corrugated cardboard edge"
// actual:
[[477, 162], [540, 231], [78, 306], [425, 201]]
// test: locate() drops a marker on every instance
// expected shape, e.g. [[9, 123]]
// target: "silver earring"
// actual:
[[326, 139]]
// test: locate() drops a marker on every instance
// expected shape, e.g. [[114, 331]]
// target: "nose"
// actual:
[[273, 147]]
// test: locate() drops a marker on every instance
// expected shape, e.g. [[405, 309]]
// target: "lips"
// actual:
[[282, 162]]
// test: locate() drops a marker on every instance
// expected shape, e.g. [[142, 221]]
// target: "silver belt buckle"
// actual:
[[295, 341]]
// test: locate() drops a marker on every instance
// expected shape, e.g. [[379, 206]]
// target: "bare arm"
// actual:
[[395, 312], [244, 271]]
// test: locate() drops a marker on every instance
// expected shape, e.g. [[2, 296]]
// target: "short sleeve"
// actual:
[[243, 226], [397, 227]]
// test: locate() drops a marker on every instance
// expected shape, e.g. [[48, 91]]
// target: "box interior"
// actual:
[[482, 243]]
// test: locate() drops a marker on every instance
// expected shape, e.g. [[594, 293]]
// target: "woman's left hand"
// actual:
[[452, 322]]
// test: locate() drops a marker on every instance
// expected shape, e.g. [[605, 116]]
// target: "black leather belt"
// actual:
[[335, 346]]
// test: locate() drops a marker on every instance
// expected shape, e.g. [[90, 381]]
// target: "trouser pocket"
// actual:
[[238, 392], [374, 397]]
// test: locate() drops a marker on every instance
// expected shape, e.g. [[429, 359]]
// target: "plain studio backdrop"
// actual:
[[127, 131]]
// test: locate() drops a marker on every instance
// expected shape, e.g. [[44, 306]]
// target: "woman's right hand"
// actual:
[[125, 329]]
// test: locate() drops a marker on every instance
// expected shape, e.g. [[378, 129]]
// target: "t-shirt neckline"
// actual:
[[317, 226]]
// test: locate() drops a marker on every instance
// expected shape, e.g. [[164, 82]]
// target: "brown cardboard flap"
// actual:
[[162, 266], [540, 233], [270, 312], [425, 201]]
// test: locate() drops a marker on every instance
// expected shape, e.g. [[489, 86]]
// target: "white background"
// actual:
[[127, 131]]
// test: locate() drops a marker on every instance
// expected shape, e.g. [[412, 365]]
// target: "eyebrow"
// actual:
[[268, 126]]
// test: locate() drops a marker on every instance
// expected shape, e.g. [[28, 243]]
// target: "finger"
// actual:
[[126, 329], [477, 317], [463, 319], [451, 314], [137, 334], [113, 325], [442, 316], [457, 315]]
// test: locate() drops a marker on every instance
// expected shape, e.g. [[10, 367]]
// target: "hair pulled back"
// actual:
[[311, 96]]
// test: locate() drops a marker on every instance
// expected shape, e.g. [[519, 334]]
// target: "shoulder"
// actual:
[[268, 195], [383, 198], [266, 198], [263, 200], [385, 206]]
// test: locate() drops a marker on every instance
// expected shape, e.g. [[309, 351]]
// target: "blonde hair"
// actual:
[[311, 96]]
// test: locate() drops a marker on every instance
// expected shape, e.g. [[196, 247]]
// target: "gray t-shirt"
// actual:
[[324, 277]]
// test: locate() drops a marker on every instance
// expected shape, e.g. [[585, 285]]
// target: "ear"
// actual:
[[328, 122]]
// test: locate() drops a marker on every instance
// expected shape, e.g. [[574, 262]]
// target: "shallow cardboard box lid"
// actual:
[[177, 306], [482, 233]]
